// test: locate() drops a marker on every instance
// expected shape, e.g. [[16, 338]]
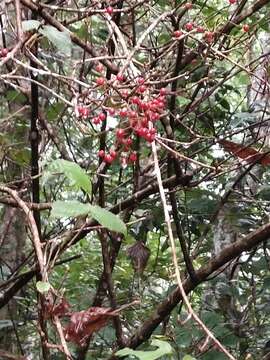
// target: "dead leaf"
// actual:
[[84, 323], [247, 153]]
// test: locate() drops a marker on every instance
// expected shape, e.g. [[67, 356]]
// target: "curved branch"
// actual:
[[226, 255]]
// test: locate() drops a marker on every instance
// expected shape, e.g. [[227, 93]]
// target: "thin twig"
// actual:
[[33, 227], [175, 261]]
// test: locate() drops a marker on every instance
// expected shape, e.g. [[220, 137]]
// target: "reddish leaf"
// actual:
[[61, 309], [84, 323], [245, 152]]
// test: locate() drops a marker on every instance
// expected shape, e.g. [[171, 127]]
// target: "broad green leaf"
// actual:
[[108, 219], [188, 357], [65, 209], [73, 208], [73, 172], [163, 348], [182, 101], [43, 286], [29, 25], [60, 39]]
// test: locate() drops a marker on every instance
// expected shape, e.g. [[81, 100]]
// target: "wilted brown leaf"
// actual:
[[247, 153], [84, 323]]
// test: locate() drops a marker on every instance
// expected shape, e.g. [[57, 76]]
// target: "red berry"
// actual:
[[144, 122], [177, 34], [139, 131], [189, 26], [132, 114], [80, 109], [99, 68], [96, 120], [163, 92], [108, 158], [133, 123], [246, 28], [109, 10], [125, 93], [188, 5], [100, 81], [101, 153], [232, 1], [111, 111], [123, 112], [144, 132], [153, 116], [3, 52], [149, 137], [120, 77], [102, 117], [83, 112], [160, 101], [140, 80], [133, 157], [135, 100], [113, 153], [141, 89], [160, 105], [128, 142], [144, 106], [120, 133]]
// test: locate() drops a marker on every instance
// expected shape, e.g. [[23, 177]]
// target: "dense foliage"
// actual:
[[134, 151]]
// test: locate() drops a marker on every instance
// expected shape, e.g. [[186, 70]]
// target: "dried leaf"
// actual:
[[84, 323], [139, 254], [247, 153], [61, 309]]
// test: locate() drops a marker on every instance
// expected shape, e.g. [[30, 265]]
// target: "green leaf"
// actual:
[[54, 110], [29, 25], [217, 355], [163, 348], [108, 219], [43, 286], [73, 208], [65, 209], [15, 96], [182, 101], [74, 173], [188, 357], [243, 79], [60, 39]]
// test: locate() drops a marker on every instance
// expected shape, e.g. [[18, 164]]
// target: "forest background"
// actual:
[[134, 179]]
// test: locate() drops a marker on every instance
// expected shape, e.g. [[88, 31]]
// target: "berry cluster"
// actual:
[[136, 116], [136, 119], [209, 35], [139, 110]]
